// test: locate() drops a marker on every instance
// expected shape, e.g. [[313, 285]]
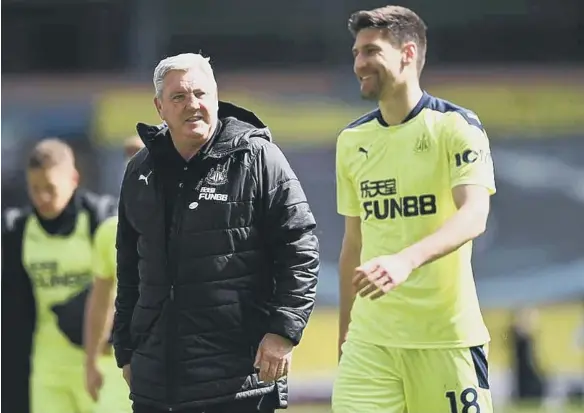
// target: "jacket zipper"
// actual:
[[170, 360], [173, 271], [173, 322]]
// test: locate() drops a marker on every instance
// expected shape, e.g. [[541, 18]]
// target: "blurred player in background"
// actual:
[[104, 382], [414, 179], [47, 266]]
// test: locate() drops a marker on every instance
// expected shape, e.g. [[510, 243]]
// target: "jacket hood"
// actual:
[[236, 122]]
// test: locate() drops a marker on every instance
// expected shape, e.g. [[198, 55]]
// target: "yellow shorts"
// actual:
[[114, 396], [376, 379], [60, 392]]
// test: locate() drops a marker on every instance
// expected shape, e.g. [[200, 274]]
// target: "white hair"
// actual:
[[183, 62]]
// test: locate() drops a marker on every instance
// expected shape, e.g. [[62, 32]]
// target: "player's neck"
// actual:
[[397, 106]]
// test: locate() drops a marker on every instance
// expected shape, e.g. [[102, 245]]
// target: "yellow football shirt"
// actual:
[[398, 180], [59, 268], [104, 249]]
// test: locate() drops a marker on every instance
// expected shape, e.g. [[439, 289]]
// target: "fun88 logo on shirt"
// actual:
[[381, 202]]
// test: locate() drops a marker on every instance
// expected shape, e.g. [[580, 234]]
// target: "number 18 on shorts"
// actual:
[[378, 379]]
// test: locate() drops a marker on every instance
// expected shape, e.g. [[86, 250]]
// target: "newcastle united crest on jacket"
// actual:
[[217, 176]]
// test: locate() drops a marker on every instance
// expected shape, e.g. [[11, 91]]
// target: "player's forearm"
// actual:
[[465, 225], [98, 319], [346, 304], [348, 261]]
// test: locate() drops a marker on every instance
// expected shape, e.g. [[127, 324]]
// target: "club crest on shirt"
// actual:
[[422, 144], [217, 176]]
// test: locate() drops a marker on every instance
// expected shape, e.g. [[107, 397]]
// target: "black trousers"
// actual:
[[238, 406]]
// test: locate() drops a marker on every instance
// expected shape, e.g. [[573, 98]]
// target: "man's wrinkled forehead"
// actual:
[[192, 79]]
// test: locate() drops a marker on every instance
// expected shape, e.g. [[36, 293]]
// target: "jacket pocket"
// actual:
[[143, 323]]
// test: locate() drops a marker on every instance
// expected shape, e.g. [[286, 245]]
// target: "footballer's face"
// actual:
[[189, 106], [378, 64], [50, 189]]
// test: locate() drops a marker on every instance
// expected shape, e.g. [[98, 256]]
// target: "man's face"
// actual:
[[377, 63], [51, 189], [188, 104]]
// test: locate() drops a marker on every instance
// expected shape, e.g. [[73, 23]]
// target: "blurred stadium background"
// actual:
[[81, 70]]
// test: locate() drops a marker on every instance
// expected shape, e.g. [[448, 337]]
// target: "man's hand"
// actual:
[[273, 358], [378, 276], [93, 380], [127, 373]]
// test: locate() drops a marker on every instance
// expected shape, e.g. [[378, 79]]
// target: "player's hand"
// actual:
[[273, 358], [127, 373], [93, 381], [380, 275]]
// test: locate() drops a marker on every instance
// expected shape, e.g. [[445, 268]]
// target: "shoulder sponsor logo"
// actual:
[[471, 156]]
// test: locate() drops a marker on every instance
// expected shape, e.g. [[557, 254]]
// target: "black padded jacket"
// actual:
[[199, 286]]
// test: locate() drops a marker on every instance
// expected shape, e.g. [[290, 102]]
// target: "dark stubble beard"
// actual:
[[374, 94]]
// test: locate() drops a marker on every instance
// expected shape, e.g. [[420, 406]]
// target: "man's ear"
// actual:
[[76, 176], [410, 51], [158, 106]]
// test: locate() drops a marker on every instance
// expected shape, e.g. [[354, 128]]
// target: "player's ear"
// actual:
[[76, 176], [409, 52]]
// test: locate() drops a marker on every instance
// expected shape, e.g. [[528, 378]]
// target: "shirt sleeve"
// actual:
[[347, 197], [104, 250], [469, 153]]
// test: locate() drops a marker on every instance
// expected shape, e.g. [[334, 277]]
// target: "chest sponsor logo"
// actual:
[[210, 194], [381, 201], [46, 274], [371, 189]]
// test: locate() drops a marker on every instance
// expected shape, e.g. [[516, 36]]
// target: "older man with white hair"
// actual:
[[217, 260]]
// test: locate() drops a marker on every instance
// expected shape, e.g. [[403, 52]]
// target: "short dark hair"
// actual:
[[50, 152], [403, 26]]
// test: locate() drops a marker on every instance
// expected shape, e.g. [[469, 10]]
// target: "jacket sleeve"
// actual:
[[128, 279], [18, 314], [288, 226]]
